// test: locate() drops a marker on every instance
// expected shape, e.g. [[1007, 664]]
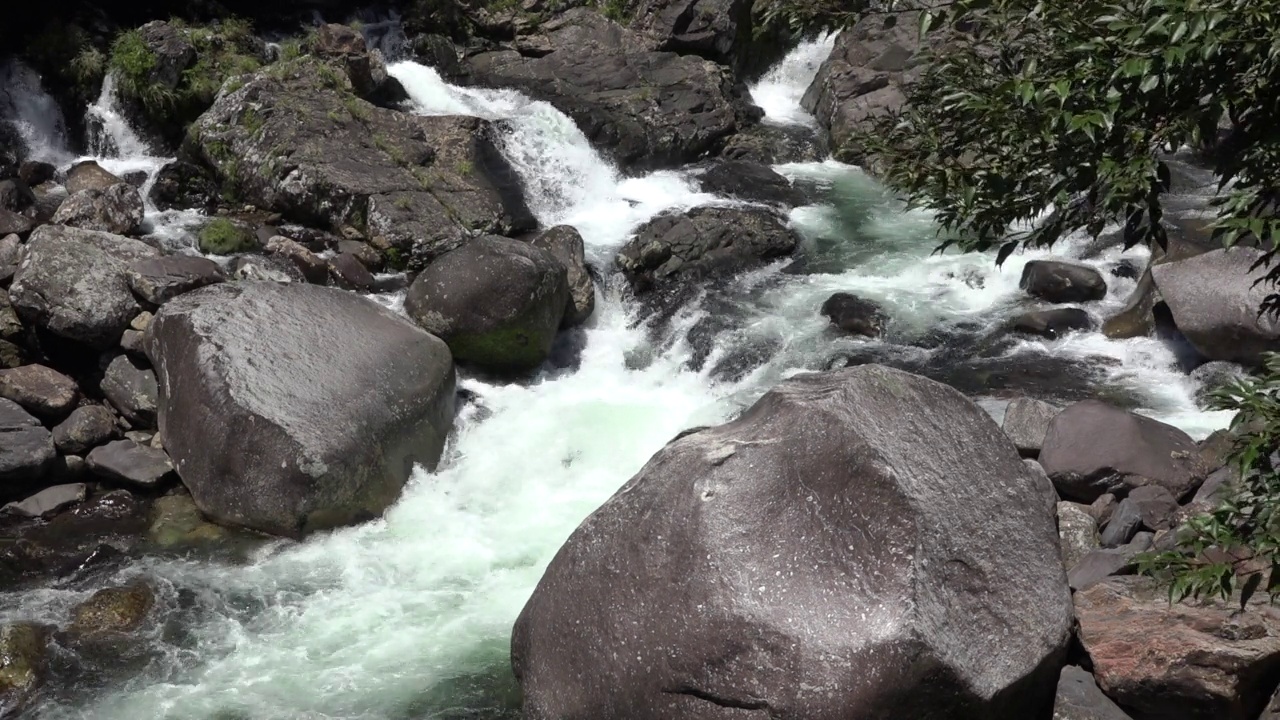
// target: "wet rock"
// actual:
[[24, 662], [1127, 269], [125, 461], [181, 185], [497, 302], [1052, 324], [16, 196], [89, 535], [89, 175], [724, 31], [1060, 282], [1124, 524], [177, 522], [48, 501], [159, 280], [854, 315], [1214, 375], [131, 388], [775, 144], [751, 182], [1077, 533], [86, 428], [112, 610], [564, 243], [349, 273], [313, 269], [11, 223], [341, 408], [11, 254], [1026, 422], [1194, 660], [1093, 448], [1080, 699], [1137, 319], [1101, 564], [41, 391], [118, 209], [73, 284], [713, 542]]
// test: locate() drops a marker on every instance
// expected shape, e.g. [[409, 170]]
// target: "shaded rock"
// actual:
[[1197, 660], [1103, 508], [714, 542], [775, 144], [1123, 525], [173, 53], [11, 223], [11, 254], [11, 356], [125, 461], [35, 172], [131, 388], [854, 315], [159, 280], [73, 284], [131, 342], [340, 409], [48, 501], [86, 428], [16, 196], [41, 391], [1077, 533], [724, 31], [1026, 422], [118, 209], [1099, 565], [181, 185], [751, 182], [10, 325], [366, 69], [1080, 699], [313, 269], [1093, 448], [27, 453], [1052, 324], [564, 243], [89, 175], [24, 664], [1060, 282], [1214, 375], [368, 256], [112, 610], [349, 273], [1156, 506], [1137, 319]]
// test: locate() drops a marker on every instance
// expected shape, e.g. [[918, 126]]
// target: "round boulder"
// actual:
[[854, 315], [117, 209], [1061, 282], [497, 303], [815, 560]]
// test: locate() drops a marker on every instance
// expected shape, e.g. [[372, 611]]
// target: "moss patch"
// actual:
[[224, 237]]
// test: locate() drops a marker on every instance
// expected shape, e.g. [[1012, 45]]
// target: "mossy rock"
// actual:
[[226, 237], [113, 610], [177, 522], [23, 661]]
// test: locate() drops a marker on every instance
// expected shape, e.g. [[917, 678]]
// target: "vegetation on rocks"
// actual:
[[224, 237]]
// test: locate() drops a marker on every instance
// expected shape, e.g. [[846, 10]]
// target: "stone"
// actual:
[[1061, 282], [27, 453], [41, 391], [12, 223], [173, 53], [751, 182], [565, 244], [497, 302], [854, 315], [125, 461], [349, 273], [117, 209], [132, 389], [1053, 323], [1103, 508], [112, 610], [35, 172], [313, 269], [89, 175], [362, 251], [183, 185], [48, 501], [341, 408], [1156, 506], [24, 665], [807, 560], [85, 428], [10, 324], [1077, 533], [73, 284], [177, 522], [266, 268], [1026, 422], [1080, 699], [131, 342], [1101, 564], [159, 280], [1197, 660], [11, 356], [11, 253], [725, 31], [366, 69], [775, 144], [1214, 375], [1093, 448], [1124, 524]]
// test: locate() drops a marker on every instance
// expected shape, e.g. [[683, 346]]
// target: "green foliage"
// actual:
[[395, 259], [89, 66], [1237, 546], [615, 10], [132, 62], [224, 237], [354, 105]]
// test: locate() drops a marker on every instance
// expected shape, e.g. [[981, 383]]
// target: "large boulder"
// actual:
[[72, 283], [1061, 282], [341, 395], [1193, 660], [1093, 448], [27, 454], [117, 209], [721, 30], [497, 302], [1216, 302], [296, 140], [646, 108], [854, 315], [812, 560], [564, 242], [704, 242]]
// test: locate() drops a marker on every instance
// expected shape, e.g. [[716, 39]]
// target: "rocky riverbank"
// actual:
[[859, 541]]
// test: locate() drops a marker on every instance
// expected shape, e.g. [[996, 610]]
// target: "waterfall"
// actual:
[[34, 113]]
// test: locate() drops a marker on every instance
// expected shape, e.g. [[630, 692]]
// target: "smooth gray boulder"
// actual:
[[41, 391], [84, 429], [72, 282], [125, 461], [811, 560], [159, 280], [48, 501], [1062, 282], [27, 453], [132, 389], [295, 408], [1026, 422], [1080, 699]]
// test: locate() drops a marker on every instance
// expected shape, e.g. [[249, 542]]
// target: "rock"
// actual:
[[1026, 422], [35, 172], [24, 663], [1060, 282], [724, 31], [1215, 299], [89, 175], [1156, 506], [181, 185], [1099, 565], [223, 236], [16, 196], [564, 243], [1193, 660], [1124, 524], [497, 302], [269, 269], [86, 536], [177, 522], [340, 408], [131, 342], [11, 254], [854, 315], [48, 501], [117, 209], [421, 185], [1093, 448], [11, 223], [1080, 699], [1137, 318], [1102, 508], [704, 242], [159, 280], [751, 182], [774, 145], [715, 568], [86, 428], [141, 321], [112, 610], [73, 284], [313, 269], [1077, 533], [349, 273], [10, 325], [1052, 324], [173, 53], [646, 109], [125, 461], [1214, 375], [41, 391], [27, 453], [131, 388], [366, 69], [11, 356], [368, 256]]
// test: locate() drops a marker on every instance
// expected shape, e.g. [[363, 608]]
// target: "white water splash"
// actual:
[[779, 92]]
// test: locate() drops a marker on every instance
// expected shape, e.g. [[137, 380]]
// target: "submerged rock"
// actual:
[[1052, 324], [854, 315], [24, 661], [811, 559], [342, 395], [112, 610]]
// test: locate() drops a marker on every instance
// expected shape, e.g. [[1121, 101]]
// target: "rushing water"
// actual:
[[410, 616]]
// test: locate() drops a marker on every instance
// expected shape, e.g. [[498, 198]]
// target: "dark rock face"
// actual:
[[182, 185], [72, 540], [125, 461], [1060, 282], [774, 144], [1052, 324], [719, 30], [131, 387], [854, 315], [497, 302], [752, 182], [366, 69], [1198, 661], [565, 244], [1123, 525], [646, 108], [1215, 304], [41, 391], [1080, 699], [1026, 422], [117, 209], [704, 242], [73, 284], [717, 568], [422, 185], [27, 453], [159, 280], [343, 397], [86, 428], [1093, 448]]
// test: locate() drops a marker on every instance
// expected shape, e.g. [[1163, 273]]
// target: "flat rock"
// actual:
[[27, 453], [112, 610], [126, 461], [48, 501], [1101, 564], [159, 280], [41, 391]]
